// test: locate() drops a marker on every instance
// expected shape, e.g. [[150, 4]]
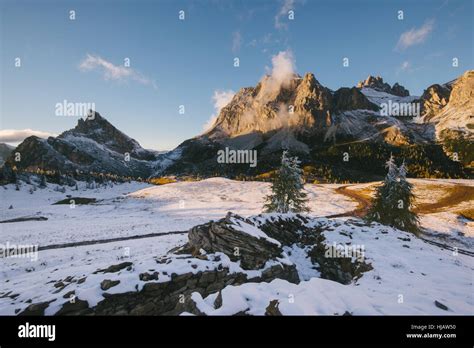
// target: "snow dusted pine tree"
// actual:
[[393, 199], [287, 188]]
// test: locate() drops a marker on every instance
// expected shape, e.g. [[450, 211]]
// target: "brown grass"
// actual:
[[454, 195], [467, 213], [162, 180]]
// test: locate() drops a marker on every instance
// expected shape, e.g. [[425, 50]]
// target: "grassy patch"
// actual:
[[162, 180], [467, 214]]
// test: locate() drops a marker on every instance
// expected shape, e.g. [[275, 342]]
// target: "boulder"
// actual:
[[227, 237], [106, 284], [272, 309], [114, 268], [35, 309], [77, 307]]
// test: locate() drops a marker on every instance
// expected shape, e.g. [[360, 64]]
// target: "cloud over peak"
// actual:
[[283, 66], [220, 99]]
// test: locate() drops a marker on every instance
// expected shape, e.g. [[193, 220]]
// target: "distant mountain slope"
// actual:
[[94, 145], [5, 151], [313, 121]]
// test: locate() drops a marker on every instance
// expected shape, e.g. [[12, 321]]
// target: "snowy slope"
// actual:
[[402, 264], [408, 276], [379, 97]]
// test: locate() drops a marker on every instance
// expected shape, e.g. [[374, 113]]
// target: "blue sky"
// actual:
[[174, 62]]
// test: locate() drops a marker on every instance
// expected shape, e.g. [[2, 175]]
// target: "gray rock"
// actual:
[[114, 268], [35, 309], [272, 309], [223, 236], [147, 276], [106, 284], [78, 307], [441, 306]]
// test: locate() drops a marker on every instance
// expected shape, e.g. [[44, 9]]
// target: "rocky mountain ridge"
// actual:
[[377, 84], [300, 114], [94, 145], [304, 116]]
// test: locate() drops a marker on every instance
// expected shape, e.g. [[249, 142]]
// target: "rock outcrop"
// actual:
[[231, 251], [227, 236], [352, 99], [450, 107], [174, 297], [378, 84], [434, 98], [301, 103]]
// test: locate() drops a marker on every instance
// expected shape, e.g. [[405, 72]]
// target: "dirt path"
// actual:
[[363, 204], [456, 195]]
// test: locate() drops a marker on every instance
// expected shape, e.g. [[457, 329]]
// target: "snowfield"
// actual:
[[136, 208], [408, 274]]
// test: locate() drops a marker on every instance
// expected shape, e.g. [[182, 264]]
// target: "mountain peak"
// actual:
[[378, 84], [91, 122], [94, 145], [97, 128]]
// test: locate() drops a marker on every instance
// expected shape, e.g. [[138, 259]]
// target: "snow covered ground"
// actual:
[[135, 208], [418, 272], [408, 276], [444, 223]]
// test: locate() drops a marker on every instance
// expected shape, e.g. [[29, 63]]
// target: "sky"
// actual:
[[139, 63]]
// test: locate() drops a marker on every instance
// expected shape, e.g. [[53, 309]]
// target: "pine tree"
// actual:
[[393, 199], [287, 188]]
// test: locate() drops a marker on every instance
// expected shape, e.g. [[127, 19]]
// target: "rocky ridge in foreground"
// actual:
[[231, 251]]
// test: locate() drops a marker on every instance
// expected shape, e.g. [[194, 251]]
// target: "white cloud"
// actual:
[[220, 99], [111, 71], [236, 41], [415, 36], [18, 135], [404, 67], [282, 71], [286, 6], [283, 67]]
